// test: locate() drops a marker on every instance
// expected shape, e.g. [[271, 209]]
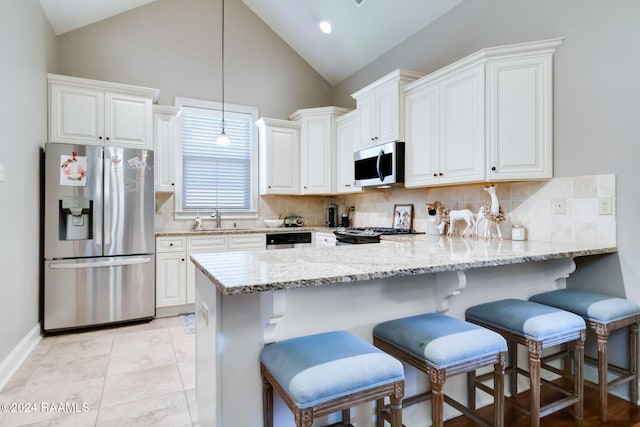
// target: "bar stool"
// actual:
[[320, 374], [603, 314], [537, 327], [441, 347]]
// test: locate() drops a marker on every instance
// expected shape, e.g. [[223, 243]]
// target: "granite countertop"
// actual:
[[235, 273], [218, 231]]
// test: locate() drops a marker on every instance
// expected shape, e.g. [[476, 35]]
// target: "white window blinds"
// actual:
[[215, 176]]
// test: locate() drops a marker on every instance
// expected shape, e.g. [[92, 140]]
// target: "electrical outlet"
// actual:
[[605, 205], [558, 206]]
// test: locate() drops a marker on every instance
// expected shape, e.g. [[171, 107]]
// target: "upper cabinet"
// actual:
[[380, 108], [279, 156], [83, 111], [318, 148], [485, 117], [164, 144], [445, 129], [520, 116], [346, 142]]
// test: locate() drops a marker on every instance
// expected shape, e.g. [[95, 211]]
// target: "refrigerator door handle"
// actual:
[[116, 263], [108, 161], [98, 204]]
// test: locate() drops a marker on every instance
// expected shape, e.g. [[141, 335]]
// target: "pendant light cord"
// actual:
[[223, 124]]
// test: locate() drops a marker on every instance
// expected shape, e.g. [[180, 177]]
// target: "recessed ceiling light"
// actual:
[[325, 26]]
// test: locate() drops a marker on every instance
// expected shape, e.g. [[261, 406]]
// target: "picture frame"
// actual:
[[403, 216]]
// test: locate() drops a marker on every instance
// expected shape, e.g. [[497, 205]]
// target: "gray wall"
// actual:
[[27, 44], [596, 116], [175, 46]]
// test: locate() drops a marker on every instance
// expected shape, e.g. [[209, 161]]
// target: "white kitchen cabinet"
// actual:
[[485, 117], [83, 111], [200, 244], [175, 273], [279, 156], [346, 143], [318, 148], [380, 108], [519, 117], [164, 140], [171, 270], [445, 129]]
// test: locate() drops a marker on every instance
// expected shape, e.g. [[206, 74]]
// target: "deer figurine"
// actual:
[[450, 217], [490, 213]]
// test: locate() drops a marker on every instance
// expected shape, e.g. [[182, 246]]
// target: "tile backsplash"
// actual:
[[533, 205]]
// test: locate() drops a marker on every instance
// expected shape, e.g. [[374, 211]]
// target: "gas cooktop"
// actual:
[[358, 235]]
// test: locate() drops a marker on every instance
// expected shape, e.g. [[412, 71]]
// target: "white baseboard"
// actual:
[[12, 362], [174, 310]]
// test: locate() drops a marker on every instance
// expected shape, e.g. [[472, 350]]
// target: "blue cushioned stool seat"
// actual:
[[440, 339], [536, 326], [603, 314], [312, 371], [589, 305], [534, 321], [443, 346]]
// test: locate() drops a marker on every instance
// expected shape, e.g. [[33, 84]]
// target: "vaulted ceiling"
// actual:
[[362, 30]]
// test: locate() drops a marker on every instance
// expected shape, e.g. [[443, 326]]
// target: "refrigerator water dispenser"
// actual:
[[75, 219]]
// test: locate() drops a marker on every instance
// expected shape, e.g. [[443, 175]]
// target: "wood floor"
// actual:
[[621, 414]]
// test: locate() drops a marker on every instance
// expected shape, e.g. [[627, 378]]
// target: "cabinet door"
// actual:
[[199, 245], [281, 161], [248, 241], [519, 93], [316, 153], [462, 127], [171, 277], [346, 140], [422, 137], [366, 112], [387, 113], [164, 135], [76, 115], [128, 121]]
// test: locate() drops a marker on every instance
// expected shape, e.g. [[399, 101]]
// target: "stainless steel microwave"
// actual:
[[381, 166]]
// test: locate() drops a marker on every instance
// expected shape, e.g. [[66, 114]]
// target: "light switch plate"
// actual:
[[1, 172]]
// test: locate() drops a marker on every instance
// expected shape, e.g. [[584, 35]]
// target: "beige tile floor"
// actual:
[[136, 375]]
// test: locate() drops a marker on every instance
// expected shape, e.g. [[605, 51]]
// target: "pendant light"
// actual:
[[223, 139]]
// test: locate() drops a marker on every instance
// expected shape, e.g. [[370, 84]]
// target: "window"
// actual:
[[211, 176]]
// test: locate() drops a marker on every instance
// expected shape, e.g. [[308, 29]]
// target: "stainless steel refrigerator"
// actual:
[[98, 235]]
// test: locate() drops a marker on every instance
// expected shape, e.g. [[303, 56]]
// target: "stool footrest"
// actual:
[[472, 415]]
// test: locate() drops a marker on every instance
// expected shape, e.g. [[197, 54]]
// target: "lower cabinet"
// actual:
[[175, 273]]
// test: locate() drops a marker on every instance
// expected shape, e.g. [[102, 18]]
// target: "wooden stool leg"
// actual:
[[346, 416], [578, 379], [603, 371], [471, 389], [396, 405], [303, 417], [498, 392], [535, 350], [438, 378], [267, 403], [513, 365], [379, 409], [633, 363]]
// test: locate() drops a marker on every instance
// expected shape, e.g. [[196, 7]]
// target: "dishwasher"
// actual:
[[288, 240]]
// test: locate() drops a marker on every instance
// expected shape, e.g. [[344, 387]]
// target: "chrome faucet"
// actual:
[[216, 215]]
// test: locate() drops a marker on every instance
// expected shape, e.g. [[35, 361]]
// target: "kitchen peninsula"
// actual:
[[247, 299]]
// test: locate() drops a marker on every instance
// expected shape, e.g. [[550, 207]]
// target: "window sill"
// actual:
[[181, 216]]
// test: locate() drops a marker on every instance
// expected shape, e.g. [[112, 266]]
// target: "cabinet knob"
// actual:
[[170, 244], [172, 184], [347, 185], [435, 174], [99, 137], [493, 168], [182, 259], [305, 187], [269, 186], [107, 138], [440, 174]]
